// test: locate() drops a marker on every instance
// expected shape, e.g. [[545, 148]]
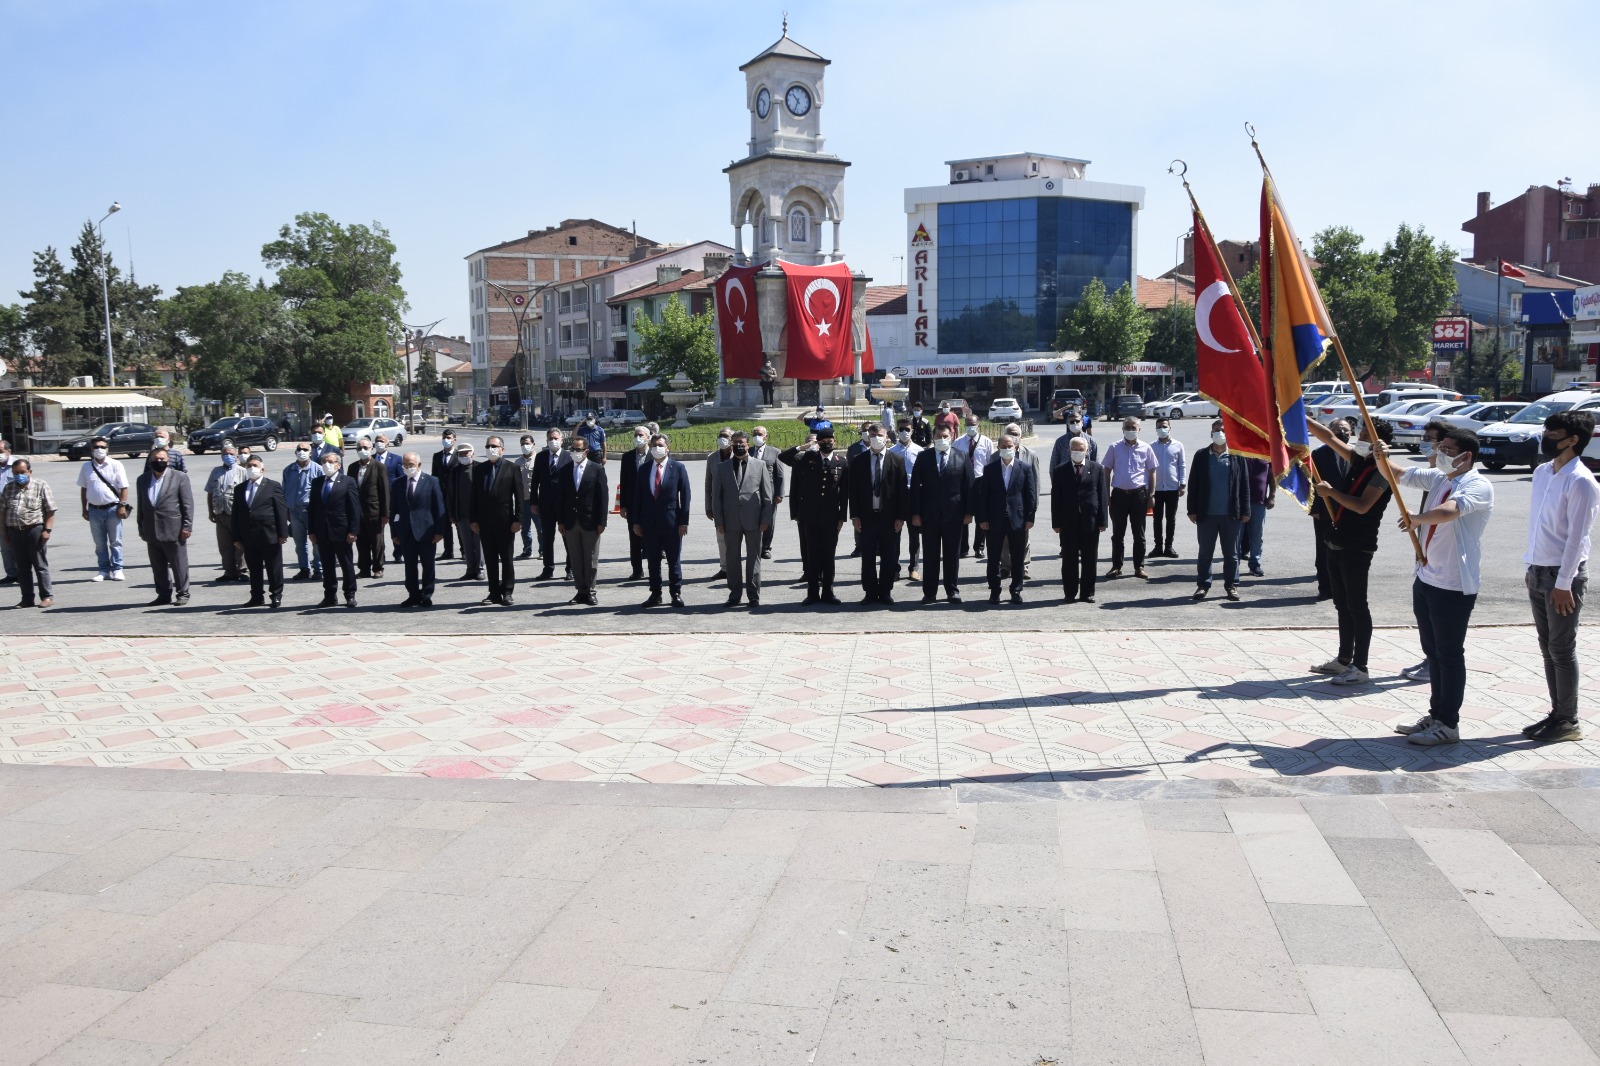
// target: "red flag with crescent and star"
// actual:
[[738, 328], [819, 322], [1229, 367]]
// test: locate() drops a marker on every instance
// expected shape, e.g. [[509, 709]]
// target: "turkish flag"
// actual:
[[1509, 271], [868, 364], [738, 328], [819, 322], [1230, 370]]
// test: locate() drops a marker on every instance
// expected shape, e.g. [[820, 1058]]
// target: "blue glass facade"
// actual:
[[1009, 269]]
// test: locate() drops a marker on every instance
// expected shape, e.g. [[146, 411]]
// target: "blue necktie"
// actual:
[[327, 487]]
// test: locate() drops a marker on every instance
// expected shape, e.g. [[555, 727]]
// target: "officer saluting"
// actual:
[[821, 498]]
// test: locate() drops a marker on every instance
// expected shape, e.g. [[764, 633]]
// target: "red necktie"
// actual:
[[1434, 529], [657, 491]]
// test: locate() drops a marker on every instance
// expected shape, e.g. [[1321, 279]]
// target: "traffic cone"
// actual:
[[616, 505]]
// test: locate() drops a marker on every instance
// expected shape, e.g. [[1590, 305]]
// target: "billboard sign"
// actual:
[[1451, 335]]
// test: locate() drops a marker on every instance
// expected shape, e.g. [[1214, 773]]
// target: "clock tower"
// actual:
[[787, 190]]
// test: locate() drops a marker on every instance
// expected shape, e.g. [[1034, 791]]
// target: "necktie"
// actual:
[[877, 479], [1428, 541], [657, 491], [327, 488], [941, 463], [411, 488], [250, 496], [494, 472]]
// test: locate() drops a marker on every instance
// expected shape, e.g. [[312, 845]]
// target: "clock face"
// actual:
[[799, 101], [763, 103]]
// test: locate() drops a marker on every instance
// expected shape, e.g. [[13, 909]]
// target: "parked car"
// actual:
[[623, 418], [132, 439], [371, 427], [576, 418], [237, 431], [1385, 401], [1475, 416], [1515, 441], [1124, 405], [1408, 427], [1061, 400], [1180, 404], [1005, 409]]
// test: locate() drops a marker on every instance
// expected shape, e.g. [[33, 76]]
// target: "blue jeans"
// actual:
[[299, 527], [105, 526], [528, 533], [1442, 617], [1250, 535], [1211, 531]]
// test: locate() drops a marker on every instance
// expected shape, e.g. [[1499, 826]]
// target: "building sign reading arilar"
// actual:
[[921, 242]]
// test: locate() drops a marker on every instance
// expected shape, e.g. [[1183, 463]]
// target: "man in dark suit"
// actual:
[[371, 477], [547, 467], [1219, 505], [850, 454], [761, 450], [166, 520], [459, 485], [742, 508], [942, 504], [582, 505], [419, 524], [335, 524], [260, 529], [878, 509], [1079, 513], [820, 493], [391, 466], [1009, 499], [627, 480], [443, 460], [660, 516], [497, 519]]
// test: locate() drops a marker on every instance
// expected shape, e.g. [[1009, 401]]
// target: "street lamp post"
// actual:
[[519, 300], [417, 334], [105, 290]]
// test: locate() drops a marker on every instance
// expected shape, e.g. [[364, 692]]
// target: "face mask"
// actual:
[[972, 431], [904, 436], [21, 479], [1074, 425], [365, 453], [759, 440], [98, 453], [741, 450], [527, 447], [941, 444], [579, 454], [494, 452], [825, 446], [162, 442], [1551, 448], [382, 447], [640, 442], [588, 421], [1361, 448], [1459, 463], [331, 468], [553, 445], [301, 454], [1163, 432], [413, 471], [1219, 438], [917, 411], [1426, 451], [1130, 435], [876, 444], [1080, 458], [253, 473], [658, 453], [317, 437], [158, 465], [229, 460], [449, 445], [463, 458], [723, 443], [1008, 454]]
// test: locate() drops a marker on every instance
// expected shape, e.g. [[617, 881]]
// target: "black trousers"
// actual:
[[369, 546], [419, 558], [1348, 569], [32, 554], [1128, 507], [659, 544], [880, 555], [1004, 536], [805, 552], [1322, 529], [766, 393], [819, 541], [1080, 557], [338, 562], [547, 542], [1166, 518], [265, 561], [635, 548], [499, 552], [449, 539], [941, 551]]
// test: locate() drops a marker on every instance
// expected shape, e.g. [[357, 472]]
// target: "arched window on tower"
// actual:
[[799, 227]]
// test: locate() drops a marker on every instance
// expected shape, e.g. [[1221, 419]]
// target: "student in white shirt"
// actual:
[[1456, 510], [1566, 499]]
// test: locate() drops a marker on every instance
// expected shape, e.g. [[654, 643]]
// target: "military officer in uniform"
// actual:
[[820, 491]]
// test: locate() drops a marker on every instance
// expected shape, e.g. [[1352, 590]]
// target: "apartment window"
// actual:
[[988, 169], [616, 318], [572, 241], [566, 335], [580, 334], [580, 298], [565, 298]]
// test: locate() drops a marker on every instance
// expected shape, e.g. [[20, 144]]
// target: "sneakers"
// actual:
[[1551, 730], [1418, 672], [116, 575], [98, 577], [1420, 725], [1333, 667], [1353, 676], [1438, 733]]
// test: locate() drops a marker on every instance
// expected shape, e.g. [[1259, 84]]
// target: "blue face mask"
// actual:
[[21, 479], [229, 460]]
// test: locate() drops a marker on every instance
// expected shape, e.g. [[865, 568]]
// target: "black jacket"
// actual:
[[1012, 505], [1200, 486], [820, 491], [266, 521], [893, 497], [372, 480], [546, 468], [941, 499], [458, 484], [586, 505], [1078, 497], [339, 515], [494, 509], [628, 468]]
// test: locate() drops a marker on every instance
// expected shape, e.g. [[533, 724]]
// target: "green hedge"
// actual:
[[781, 433]]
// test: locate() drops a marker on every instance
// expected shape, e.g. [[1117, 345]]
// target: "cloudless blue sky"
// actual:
[[461, 124]]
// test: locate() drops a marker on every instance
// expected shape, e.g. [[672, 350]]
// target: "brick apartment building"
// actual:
[[1554, 230]]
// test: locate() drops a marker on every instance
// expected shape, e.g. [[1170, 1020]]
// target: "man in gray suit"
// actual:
[[742, 506], [760, 449], [166, 519]]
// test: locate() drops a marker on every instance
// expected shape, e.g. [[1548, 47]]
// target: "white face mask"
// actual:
[[1163, 432], [99, 454], [302, 455], [162, 442], [941, 444], [972, 431], [905, 436], [554, 445], [876, 443], [1130, 435], [317, 437], [382, 447], [253, 473], [331, 468], [758, 441], [1219, 438], [412, 472], [1361, 448], [1426, 448], [723, 444], [365, 453], [640, 442], [1080, 457], [1008, 454], [494, 452], [658, 452], [463, 458], [527, 447]]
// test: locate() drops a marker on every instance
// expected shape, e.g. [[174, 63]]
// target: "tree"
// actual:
[[54, 320], [679, 342], [1422, 281], [1359, 299], [1172, 337], [1112, 330], [1249, 288], [13, 335], [428, 381], [341, 286], [240, 336]]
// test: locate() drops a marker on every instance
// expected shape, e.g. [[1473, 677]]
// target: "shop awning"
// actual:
[[76, 399], [614, 386], [655, 383]]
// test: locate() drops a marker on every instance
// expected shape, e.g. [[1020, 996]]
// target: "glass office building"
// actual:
[[1008, 270]]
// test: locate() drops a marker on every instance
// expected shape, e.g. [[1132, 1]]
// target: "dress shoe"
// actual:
[[8, 581], [544, 575], [256, 601], [1016, 597], [637, 575], [1139, 571], [489, 601], [914, 576], [732, 601], [350, 603], [1115, 572], [410, 601], [811, 597], [426, 601], [447, 556], [179, 601], [506, 600], [592, 600], [1200, 594], [994, 597], [1085, 599], [755, 600], [329, 601], [277, 601], [954, 597], [868, 600], [1256, 571], [928, 597], [577, 599], [653, 601], [766, 553], [161, 601], [1232, 593], [473, 575], [830, 598], [26, 603], [887, 599], [364, 573], [719, 575], [677, 599], [377, 574], [526, 555], [855, 554], [303, 575]]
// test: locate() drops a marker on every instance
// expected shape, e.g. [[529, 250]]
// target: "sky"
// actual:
[[461, 124]]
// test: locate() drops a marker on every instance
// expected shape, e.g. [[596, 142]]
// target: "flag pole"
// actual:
[[1355, 386]]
